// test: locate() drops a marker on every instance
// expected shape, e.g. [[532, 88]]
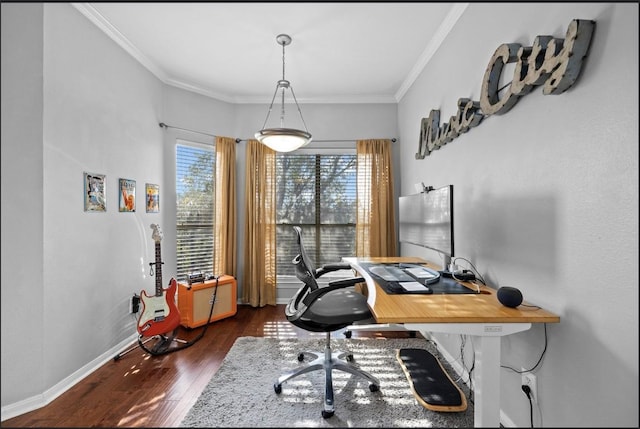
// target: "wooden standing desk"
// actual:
[[480, 315]]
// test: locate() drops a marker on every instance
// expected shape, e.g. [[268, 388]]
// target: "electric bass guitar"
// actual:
[[159, 312]]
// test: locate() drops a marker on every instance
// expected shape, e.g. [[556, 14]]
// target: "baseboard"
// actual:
[[38, 401]]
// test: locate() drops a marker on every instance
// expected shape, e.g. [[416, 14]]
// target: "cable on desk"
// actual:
[[532, 307], [473, 267]]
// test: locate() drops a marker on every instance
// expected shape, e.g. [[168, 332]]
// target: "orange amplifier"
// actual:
[[194, 301]]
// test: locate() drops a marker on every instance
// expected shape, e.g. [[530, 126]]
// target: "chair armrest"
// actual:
[[332, 267], [346, 282], [337, 284]]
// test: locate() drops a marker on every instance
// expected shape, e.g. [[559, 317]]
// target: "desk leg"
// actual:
[[486, 382]]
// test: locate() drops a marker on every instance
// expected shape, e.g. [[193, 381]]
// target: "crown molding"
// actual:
[[110, 30], [330, 99], [200, 90], [443, 31]]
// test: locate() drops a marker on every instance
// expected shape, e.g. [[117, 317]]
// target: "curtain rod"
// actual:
[[163, 125]]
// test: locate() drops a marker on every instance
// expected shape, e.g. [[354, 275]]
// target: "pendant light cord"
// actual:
[[283, 87]]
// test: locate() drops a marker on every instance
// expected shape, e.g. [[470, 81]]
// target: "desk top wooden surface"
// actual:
[[443, 308]]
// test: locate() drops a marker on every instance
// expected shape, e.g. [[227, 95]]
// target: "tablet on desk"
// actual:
[[413, 287]]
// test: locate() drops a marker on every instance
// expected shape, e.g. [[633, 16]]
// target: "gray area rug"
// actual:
[[241, 393]]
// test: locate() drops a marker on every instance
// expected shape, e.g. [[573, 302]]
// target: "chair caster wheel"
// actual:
[[300, 357], [374, 387], [347, 334], [277, 388], [327, 414], [350, 358]]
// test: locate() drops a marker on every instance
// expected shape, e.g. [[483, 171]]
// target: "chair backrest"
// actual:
[[345, 306], [305, 270]]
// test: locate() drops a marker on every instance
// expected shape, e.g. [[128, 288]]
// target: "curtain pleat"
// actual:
[[259, 274], [375, 224], [224, 261]]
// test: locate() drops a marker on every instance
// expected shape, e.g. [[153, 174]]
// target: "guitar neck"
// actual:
[[158, 270]]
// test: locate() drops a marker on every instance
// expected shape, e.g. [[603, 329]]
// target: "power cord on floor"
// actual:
[[527, 391]]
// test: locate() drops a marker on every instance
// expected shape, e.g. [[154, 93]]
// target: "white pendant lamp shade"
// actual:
[[283, 139]]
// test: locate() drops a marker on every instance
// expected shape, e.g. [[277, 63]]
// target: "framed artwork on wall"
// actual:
[[152, 198], [95, 199], [127, 195]]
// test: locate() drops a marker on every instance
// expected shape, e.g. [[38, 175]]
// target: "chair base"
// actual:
[[329, 360]]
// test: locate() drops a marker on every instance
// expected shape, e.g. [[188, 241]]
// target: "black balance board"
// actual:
[[430, 383]]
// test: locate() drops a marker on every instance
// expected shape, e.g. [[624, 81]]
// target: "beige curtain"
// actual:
[[224, 261], [375, 222], [259, 274]]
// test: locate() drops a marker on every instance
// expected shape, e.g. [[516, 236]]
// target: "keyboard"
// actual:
[[406, 273]]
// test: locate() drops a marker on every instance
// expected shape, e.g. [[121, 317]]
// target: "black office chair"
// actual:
[[326, 309]]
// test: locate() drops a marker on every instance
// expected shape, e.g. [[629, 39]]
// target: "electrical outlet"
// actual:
[[134, 304], [529, 379]]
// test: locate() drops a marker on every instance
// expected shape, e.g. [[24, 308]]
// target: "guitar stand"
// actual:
[[163, 343], [161, 346]]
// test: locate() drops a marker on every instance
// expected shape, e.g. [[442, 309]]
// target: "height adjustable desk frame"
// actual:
[[478, 315]]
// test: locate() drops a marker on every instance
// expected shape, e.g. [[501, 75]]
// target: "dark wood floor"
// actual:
[[139, 390]]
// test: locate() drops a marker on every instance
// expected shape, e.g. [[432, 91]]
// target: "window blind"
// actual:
[[318, 193], [195, 185]]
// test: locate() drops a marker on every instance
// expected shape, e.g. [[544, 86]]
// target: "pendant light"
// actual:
[[283, 139]]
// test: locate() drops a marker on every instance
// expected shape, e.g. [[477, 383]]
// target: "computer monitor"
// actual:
[[426, 220]]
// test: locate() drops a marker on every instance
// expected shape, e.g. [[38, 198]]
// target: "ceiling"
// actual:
[[340, 52]]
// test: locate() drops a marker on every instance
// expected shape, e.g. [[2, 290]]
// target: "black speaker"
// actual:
[[509, 296]]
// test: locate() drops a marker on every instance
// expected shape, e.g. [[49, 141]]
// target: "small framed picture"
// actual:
[[152, 198], [127, 195], [95, 199]]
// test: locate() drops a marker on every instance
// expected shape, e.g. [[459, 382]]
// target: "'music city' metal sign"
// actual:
[[554, 63]]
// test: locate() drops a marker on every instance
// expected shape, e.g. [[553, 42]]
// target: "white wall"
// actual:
[[68, 276], [22, 201], [101, 110], [546, 200]]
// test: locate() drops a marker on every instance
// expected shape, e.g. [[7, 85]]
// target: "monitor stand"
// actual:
[[445, 270]]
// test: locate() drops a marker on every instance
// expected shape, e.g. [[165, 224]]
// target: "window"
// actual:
[[318, 193], [195, 177]]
